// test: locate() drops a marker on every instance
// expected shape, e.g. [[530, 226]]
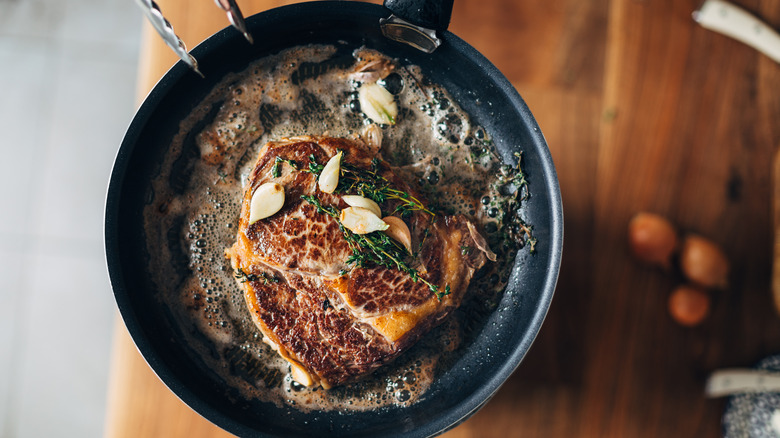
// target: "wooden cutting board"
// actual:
[[643, 110]]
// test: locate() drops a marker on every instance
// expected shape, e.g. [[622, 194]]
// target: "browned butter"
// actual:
[[193, 216]]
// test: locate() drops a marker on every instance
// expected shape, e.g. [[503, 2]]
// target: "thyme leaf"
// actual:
[[314, 167], [243, 277], [439, 295], [276, 171]]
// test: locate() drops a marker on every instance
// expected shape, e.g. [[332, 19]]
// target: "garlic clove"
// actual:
[[399, 231], [372, 136], [377, 103], [299, 373], [266, 201], [360, 201], [329, 177], [361, 220]]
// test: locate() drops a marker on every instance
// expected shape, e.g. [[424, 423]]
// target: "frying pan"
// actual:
[[474, 83]]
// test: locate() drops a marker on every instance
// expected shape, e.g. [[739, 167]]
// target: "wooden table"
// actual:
[[643, 110]]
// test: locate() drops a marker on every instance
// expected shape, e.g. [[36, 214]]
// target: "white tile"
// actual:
[[26, 87], [91, 109], [67, 82], [117, 22], [12, 296], [64, 359], [30, 18]]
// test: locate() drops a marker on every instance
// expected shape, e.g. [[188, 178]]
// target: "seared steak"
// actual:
[[334, 318]]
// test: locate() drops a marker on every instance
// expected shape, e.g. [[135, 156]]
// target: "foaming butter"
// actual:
[[193, 216]]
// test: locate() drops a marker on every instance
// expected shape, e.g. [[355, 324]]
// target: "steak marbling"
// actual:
[[332, 320]]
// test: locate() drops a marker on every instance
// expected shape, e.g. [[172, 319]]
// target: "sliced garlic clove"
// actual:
[[377, 103], [361, 220], [266, 201], [399, 231], [329, 177], [360, 201], [299, 373]]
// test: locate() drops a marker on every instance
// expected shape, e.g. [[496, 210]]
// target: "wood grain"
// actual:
[[643, 111]]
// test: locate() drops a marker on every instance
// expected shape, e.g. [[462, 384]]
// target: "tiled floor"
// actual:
[[67, 81]]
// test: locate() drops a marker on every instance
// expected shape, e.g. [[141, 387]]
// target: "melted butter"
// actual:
[[193, 217]]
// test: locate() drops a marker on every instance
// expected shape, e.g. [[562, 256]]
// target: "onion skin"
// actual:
[[689, 305], [652, 239], [704, 263]]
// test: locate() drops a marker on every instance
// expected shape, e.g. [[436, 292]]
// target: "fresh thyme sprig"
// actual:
[[376, 249], [370, 184]]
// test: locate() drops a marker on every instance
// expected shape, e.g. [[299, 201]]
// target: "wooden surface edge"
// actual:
[[776, 236]]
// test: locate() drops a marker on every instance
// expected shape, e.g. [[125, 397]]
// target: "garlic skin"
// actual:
[[399, 231], [372, 136], [361, 220], [267, 200], [480, 242], [329, 177], [378, 104], [360, 201]]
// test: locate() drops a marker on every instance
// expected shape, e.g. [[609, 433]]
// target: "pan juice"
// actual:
[[194, 208]]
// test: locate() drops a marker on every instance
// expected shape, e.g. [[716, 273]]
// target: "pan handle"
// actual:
[[415, 22], [431, 14]]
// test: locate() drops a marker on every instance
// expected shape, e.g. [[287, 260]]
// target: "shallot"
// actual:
[[689, 305], [704, 263], [652, 239]]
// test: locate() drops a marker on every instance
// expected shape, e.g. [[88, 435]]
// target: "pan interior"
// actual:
[[475, 85]]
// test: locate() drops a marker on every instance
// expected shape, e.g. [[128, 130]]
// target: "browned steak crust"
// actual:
[[331, 320]]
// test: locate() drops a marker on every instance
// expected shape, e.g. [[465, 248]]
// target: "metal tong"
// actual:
[[165, 29]]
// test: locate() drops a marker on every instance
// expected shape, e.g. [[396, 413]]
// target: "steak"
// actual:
[[334, 316]]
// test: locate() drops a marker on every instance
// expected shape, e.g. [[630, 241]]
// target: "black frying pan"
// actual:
[[476, 85]]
